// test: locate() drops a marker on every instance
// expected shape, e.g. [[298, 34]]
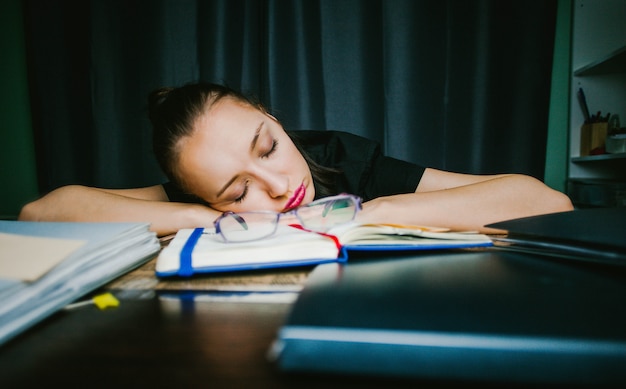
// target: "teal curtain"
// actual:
[[17, 154], [456, 85]]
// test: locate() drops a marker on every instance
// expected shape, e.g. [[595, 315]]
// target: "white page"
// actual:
[[26, 258]]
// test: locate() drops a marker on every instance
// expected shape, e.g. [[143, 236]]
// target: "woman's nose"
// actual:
[[277, 184]]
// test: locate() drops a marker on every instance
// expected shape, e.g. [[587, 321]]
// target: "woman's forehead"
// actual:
[[230, 106], [221, 139]]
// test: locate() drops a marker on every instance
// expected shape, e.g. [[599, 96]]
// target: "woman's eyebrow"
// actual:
[[229, 183], [257, 133], [253, 143]]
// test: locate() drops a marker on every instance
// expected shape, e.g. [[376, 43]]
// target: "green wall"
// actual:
[[557, 154], [18, 180]]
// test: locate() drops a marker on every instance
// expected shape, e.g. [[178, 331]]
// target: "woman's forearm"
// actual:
[[469, 207], [85, 204]]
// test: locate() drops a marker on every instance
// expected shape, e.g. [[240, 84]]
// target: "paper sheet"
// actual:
[[27, 258]]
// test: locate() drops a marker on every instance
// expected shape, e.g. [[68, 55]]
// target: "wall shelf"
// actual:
[[598, 67], [600, 157], [614, 62]]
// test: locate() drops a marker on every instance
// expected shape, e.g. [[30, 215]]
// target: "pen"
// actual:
[[583, 104]]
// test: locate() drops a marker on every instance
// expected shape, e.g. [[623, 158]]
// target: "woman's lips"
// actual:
[[297, 197]]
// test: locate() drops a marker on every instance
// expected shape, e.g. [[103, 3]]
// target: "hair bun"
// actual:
[[155, 99], [158, 96]]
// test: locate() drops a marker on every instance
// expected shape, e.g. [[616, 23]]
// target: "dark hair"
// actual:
[[324, 178], [172, 112]]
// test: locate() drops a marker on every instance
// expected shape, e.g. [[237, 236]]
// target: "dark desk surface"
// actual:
[[158, 342], [160, 337], [165, 334]]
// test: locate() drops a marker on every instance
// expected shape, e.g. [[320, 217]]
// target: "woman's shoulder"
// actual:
[[326, 136], [331, 143]]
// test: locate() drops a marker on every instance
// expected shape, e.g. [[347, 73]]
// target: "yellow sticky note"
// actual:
[[106, 300]]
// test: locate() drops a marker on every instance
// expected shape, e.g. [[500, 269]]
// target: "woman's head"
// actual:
[[226, 149]]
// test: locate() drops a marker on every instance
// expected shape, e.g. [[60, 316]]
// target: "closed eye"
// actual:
[[243, 195], [271, 150]]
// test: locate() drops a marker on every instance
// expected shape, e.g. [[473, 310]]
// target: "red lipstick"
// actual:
[[297, 197]]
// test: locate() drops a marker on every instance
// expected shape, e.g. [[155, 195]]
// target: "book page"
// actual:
[[390, 234], [27, 258]]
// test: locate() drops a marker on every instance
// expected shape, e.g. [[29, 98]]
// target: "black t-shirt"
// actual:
[[365, 171]]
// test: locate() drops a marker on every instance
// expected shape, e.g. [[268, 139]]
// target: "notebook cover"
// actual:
[[490, 316], [592, 234], [595, 226]]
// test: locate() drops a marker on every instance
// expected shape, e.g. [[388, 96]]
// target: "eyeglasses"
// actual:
[[319, 216]]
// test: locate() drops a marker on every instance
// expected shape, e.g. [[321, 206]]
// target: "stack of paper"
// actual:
[[46, 265]]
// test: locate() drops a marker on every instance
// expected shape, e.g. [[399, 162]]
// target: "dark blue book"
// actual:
[[476, 316]]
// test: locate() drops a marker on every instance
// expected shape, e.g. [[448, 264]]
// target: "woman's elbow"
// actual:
[[560, 202], [29, 212], [551, 200], [44, 208]]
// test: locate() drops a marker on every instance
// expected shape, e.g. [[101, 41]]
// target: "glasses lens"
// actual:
[[323, 214], [246, 226]]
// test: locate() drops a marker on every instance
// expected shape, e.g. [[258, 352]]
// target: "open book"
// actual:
[[201, 250]]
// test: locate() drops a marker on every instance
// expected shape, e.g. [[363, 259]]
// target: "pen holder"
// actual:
[[592, 136]]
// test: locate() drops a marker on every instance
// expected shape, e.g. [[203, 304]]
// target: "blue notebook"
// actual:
[[200, 250], [477, 316]]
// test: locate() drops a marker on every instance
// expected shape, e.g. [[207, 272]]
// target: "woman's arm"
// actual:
[[467, 202], [85, 204]]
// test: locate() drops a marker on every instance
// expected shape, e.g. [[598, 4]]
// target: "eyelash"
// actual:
[[240, 199], [272, 150]]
